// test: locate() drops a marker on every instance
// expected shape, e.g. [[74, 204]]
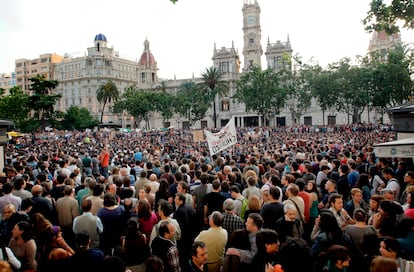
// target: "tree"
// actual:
[[391, 81], [261, 91], [297, 85], [324, 87], [192, 102], [106, 93], [214, 84], [138, 103], [163, 103], [382, 16], [15, 107], [78, 118], [43, 100]]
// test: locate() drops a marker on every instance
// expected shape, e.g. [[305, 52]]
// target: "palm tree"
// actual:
[[106, 93], [214, 84]]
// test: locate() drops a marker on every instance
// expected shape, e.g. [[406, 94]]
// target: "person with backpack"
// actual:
[[392, 183], [241, 203]]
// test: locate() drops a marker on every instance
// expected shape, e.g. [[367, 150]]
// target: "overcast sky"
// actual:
[[181, 36]]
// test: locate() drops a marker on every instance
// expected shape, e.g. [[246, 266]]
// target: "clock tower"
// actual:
[[252, 34]]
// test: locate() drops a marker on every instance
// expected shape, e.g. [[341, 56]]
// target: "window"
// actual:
[[224, 67], [225, 105], [278, 62], [89, 100], [143, 77], [251, 41], [80, 101], [186, 125], [383, 54], [307, 120]]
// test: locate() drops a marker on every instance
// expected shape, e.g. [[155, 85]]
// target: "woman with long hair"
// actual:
[[410, 209], [47, 237], [391, 248], [24, 246], [363, 184], [383, 264], [134, 244], [315, 197], [162, 193], [330, 233], [253, 206], [267, 242], [374, 202], [375, 180], [386, 218], [146, 218]]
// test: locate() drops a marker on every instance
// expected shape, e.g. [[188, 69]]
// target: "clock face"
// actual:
[[251, 20]]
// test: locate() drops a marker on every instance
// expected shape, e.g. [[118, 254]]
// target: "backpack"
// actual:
[[244, 207]]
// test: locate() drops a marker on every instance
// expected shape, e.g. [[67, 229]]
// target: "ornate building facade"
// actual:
[[80, 77], [381, 43]]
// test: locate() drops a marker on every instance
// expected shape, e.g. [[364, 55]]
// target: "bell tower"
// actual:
[[252, 34]]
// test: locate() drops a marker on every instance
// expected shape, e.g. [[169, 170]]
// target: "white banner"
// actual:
[[223, 139]]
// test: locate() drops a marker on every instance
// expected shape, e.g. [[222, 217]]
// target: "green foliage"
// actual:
[[262, 92], [213, 84], [391, 81], [30, 125], [382, 16], [79, 119], [106, 93], [297, 85], [192, 102], [163, 103], [138, 103], [15, 107], [43, 100]]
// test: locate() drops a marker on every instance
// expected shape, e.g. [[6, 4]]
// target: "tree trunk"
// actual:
[[323, 118], [214, 113], [103, 110]]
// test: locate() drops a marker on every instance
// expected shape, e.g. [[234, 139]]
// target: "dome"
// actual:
[[147, 59], [100, 37]]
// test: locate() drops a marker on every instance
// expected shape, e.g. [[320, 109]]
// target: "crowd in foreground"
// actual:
[[294, 199]]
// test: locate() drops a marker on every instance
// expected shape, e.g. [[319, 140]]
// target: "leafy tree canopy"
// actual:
[[382, 16]]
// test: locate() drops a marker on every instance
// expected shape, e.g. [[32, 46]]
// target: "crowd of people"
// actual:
[[291, 199]]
